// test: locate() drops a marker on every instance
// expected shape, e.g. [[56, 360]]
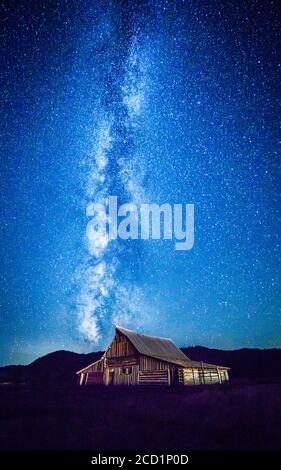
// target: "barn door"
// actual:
[[110, 377], [176, 380]]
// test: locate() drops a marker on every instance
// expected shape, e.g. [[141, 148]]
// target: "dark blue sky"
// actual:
[[163, 101]]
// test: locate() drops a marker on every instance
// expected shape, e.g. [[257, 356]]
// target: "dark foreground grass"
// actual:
[[230, 416]]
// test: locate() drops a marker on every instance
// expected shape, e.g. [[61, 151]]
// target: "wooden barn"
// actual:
[[136, 359]]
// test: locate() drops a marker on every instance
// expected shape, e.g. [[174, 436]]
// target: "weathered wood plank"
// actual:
[[154, 377], [120, 347], [122, 361]]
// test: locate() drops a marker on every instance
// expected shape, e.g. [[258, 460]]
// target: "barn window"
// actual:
[[127, 370]]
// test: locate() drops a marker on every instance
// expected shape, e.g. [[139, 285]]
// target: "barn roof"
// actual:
[[160, 348], [89, 366]]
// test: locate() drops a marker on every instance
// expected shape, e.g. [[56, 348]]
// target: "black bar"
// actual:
[[130, 459]]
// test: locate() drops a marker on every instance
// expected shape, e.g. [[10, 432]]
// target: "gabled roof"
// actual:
[[89, 366], [153, 346], [160, 348]]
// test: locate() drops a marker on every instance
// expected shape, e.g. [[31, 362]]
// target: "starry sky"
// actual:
[[156, 102]]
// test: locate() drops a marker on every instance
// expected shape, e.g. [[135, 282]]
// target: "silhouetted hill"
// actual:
[[244, 363], [60, 366], [56, 367]]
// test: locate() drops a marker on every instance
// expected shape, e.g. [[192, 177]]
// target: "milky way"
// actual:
[[114, 168], [152, 101]]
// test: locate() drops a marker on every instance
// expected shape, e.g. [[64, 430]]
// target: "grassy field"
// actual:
[[231, 416]]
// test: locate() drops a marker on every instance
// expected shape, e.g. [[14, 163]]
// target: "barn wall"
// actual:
[[154, 377], [194, 376], [94, 378], [181, 376], [121, 361], [209, 376], [224, 375], [188, 376], [121, 375], [120, 346], [149, 363]]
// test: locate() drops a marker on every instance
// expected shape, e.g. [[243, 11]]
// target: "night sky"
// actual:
[[153, 101]]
